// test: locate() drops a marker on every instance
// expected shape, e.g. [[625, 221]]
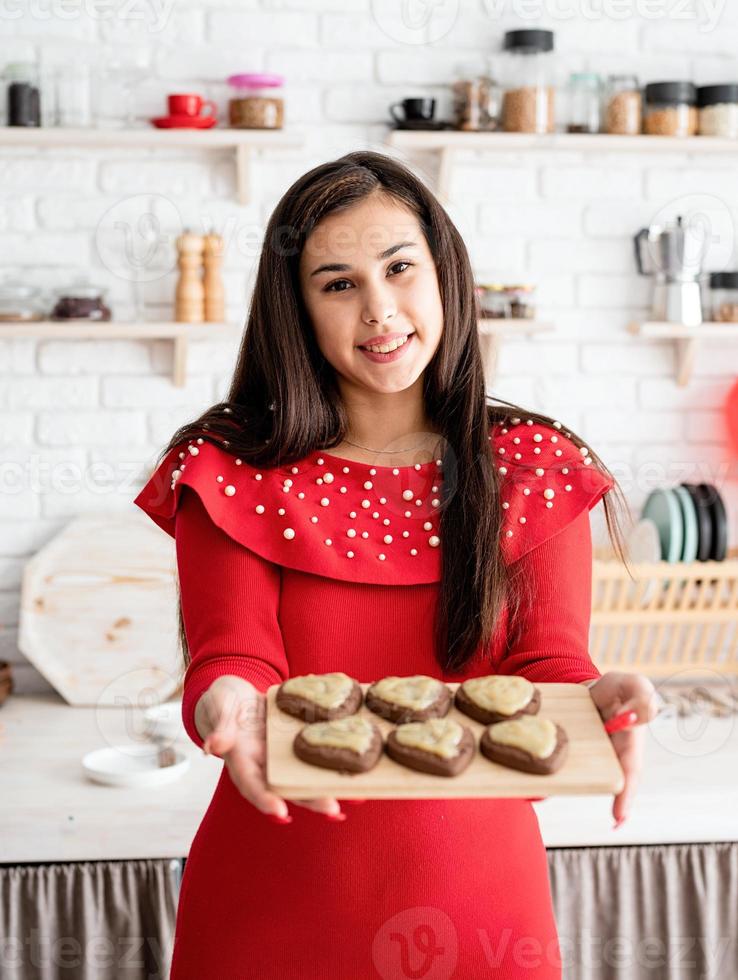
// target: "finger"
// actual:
[[248, 778], [323, 804], [625, 719], [622, 800], [645, 706], [225, 712], [628, 745]]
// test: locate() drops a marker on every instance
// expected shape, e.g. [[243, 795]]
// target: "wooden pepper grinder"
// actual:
[[190, 295], [214, 292]]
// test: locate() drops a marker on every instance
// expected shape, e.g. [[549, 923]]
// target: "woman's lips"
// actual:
[[393, 355]]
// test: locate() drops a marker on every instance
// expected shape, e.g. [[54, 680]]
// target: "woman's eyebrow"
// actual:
[[342, 267]]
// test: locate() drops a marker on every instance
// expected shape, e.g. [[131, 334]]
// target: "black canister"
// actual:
[[24, 102]]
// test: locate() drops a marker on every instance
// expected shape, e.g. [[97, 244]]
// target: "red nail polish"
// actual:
[[277, 819], [619, 822], [338, 817]]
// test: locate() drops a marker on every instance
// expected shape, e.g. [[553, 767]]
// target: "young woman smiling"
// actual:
[[371, 511]]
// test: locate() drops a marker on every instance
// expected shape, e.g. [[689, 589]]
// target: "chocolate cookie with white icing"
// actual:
[[404, 699], [530, 743], [441, 746], [497, 697], [319, 697], [351, 744]]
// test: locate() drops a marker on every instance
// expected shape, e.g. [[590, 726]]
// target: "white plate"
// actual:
[[132, 765], [643, 544]]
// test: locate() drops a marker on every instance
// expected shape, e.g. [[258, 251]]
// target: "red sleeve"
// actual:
[[230, 605], [550, 640]]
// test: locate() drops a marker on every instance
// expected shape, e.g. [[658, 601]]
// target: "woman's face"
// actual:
[[367, 273]]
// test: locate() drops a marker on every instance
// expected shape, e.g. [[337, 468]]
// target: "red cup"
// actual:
[[190, 105]]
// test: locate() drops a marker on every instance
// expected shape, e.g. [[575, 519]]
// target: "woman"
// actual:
[[355, 508]]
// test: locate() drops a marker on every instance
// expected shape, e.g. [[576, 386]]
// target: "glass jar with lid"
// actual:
[[670, 109], [718, 110], [476, 104], [498, 301], [23, 94], [623, 110], [724, 296], [256, 101], [528, 104], [585, 102], [80, 301], [494, 303], [521, 298], [20, 303]]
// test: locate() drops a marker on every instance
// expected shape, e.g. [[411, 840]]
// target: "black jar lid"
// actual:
[[715, 94], [671, 92], [532, 41], [724, 280]]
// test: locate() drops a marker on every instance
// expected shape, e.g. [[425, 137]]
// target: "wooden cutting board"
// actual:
[[98, 615], [590, 768]]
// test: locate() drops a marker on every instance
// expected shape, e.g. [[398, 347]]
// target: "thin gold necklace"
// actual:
[[383, 451]]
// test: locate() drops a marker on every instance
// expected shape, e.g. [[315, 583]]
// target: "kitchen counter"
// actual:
[[50, 811]]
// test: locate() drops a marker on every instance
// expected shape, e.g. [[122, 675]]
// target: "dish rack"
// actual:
[[667, 619]]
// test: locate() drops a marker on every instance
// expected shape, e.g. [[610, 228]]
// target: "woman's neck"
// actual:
[[417, 447]]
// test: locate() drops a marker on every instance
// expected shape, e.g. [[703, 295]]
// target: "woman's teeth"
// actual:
[[386, 348]]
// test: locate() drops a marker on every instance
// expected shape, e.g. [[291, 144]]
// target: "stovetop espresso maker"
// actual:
[[673, 254]]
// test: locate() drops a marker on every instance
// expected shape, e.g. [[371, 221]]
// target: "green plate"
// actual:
[[663, 508], [689, 520]]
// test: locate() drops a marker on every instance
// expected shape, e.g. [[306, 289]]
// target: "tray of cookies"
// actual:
[[417, 737]]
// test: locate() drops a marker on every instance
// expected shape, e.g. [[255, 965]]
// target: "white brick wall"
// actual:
[[81, 422]]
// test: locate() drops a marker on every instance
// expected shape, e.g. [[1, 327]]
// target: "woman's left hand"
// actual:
[[616, 693]]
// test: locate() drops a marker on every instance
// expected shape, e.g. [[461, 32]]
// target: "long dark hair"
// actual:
[[284, 402]]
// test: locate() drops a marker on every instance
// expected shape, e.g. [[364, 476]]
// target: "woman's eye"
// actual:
[[329, 288]]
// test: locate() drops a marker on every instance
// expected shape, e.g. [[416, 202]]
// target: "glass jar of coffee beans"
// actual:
[[670, 109], [623, 113], [527, 70]]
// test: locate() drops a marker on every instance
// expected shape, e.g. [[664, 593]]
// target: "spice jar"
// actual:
[[623, 105], [498, 301], [718, 110], [528, 104], [81, 301], [724, 296], [521, 302], [493, 301], [671, 109], [253, 106], [19, 303], [585, 102], [23, 98], [476, 104]]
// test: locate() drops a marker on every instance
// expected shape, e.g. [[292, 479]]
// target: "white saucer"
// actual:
[[643, 544], [132, 765]]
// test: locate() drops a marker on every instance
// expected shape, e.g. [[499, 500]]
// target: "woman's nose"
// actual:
[[378, 308]]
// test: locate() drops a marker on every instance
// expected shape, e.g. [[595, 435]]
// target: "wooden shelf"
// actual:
[[491, 332], [686, 338], [242, 142], [178, 333], [447, 142]]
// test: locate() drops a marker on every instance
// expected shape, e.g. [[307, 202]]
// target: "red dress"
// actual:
[[429, 889]]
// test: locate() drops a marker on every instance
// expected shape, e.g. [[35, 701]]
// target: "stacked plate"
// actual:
[[687, 523]]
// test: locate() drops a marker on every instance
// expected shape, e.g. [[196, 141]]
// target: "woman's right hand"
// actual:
[[231, 719]]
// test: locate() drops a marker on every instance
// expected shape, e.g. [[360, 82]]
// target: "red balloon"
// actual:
[[731, 413]]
